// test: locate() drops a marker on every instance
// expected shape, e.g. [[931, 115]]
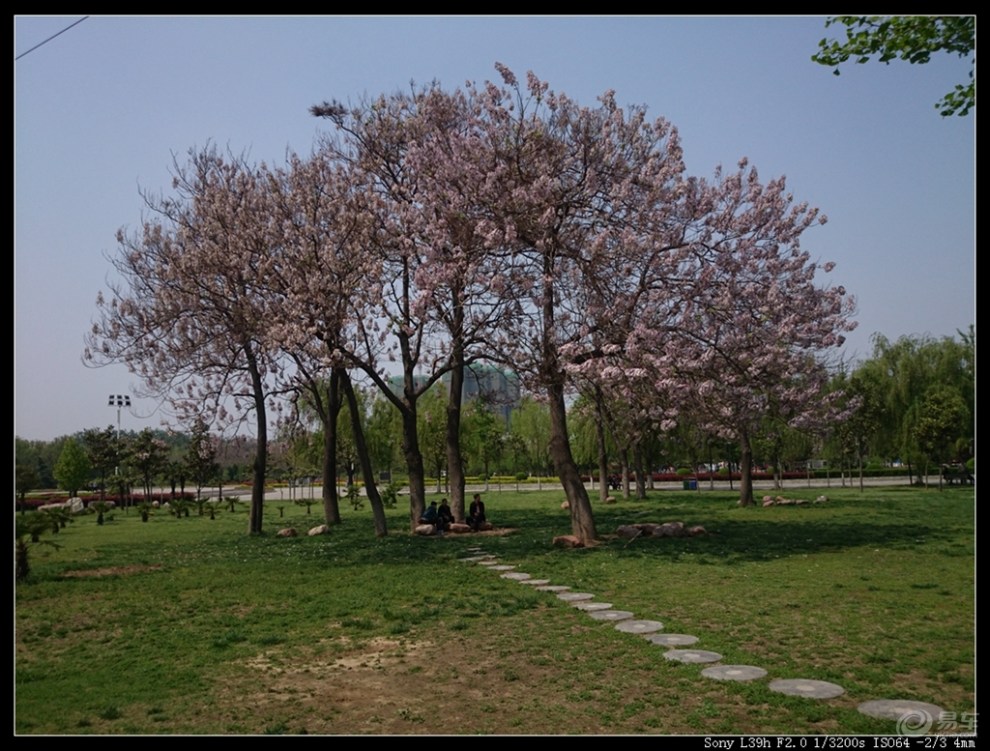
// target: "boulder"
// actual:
[[610, 499], [459, 528], [567, 541], [323, 529], [425, 529], [670, 529], [565, 504], [485, 527], [287, 532], [75, 505], [696, 530], [629, 531], [650, 529]]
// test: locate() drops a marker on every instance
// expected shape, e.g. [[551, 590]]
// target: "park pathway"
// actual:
[[910, 717]]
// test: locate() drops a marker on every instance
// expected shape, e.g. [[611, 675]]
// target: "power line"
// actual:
[[51, 37]]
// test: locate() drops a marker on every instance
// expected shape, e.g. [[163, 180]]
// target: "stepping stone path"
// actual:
[[692, 655], [592, 605], [575, 596], [672, 640], [610, 615], [807, 688], [639, 627], [912, 717], [734, 672]]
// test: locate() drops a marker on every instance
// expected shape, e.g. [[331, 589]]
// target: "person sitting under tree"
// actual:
[[445, 517], [476, 513], [430, 515]]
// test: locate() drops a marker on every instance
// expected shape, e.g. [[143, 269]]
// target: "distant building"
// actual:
[[497, 388]]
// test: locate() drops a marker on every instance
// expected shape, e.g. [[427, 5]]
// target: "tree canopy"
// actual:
[[911, 38], [504, 222]]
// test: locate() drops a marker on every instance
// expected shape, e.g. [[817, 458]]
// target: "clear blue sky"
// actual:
[[100, 110]]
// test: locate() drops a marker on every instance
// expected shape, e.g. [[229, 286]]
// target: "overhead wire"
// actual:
[[18, 57]]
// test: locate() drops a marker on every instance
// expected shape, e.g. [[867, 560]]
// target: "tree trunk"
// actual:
[[455, 461], [640, 474], [414, 465], [331, 501], [624, 458], [603, 487], [256, 514], [361, 445], [582, 519], [745, 471]]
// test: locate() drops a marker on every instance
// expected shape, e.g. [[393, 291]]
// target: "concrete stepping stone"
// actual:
[[911, 716], [590, 606], [734, 672], [807, 688], [692, 655], [639, 627], [501, 567], [575, 596], [553, 588], [539, 583], [516, 575], [488, 561], [476, 559], [610, 615], [672, 640]]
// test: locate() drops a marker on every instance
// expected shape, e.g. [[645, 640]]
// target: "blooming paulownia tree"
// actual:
[[188, 315]]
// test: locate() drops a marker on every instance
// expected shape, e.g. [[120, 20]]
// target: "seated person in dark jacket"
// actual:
[[476, 513], [430, 515], [445, 516]]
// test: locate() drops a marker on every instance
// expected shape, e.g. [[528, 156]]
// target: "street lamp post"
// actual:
[[118, 401]]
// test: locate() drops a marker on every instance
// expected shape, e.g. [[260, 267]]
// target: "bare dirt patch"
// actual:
[[384, 686], [109, 571]]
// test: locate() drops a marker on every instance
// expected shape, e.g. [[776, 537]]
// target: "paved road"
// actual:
[[760, 486]]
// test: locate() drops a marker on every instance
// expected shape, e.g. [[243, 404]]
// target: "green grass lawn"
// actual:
[[190, 626]]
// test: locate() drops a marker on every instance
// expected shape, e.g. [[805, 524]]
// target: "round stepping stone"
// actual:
[[807, 688], [517, 575], [911, 716], [575, 596], [610, 615], [672, 640], [590, 606], [692, 655], [501, 567], [639, 627], [536, 582], [553, 588], [734, 672]]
